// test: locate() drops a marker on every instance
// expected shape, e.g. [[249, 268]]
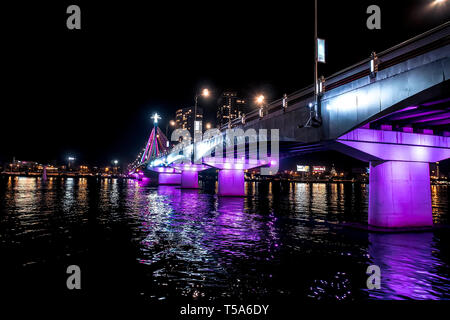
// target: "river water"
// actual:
[[162, 244]]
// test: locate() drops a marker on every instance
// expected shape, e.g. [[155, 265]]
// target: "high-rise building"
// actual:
[[230, 106], [184, 118]]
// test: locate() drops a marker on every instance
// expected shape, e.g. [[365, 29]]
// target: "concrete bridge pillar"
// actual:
[[231, 183], [399, 178], [399, 194], [189, 179]]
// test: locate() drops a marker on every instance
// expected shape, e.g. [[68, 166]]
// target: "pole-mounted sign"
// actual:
[[321, 50]]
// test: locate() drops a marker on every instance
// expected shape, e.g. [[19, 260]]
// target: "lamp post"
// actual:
[[260, 103], [171, 123], [71, 159], [205, 93], [315, 57], [115, 166], [315, 114]]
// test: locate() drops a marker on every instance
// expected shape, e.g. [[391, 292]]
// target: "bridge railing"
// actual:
[[423, 43]]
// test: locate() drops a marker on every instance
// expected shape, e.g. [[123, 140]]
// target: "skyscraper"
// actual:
[[184, 118], [230, 106]]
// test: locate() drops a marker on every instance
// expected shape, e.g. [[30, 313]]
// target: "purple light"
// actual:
[[408, 265], [399, 194], [189, 179], [231, 183], [395, 145], [436, 102], [408, 129], [169, 178]]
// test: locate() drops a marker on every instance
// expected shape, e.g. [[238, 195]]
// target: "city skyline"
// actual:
[[222, 159], [113, 106]]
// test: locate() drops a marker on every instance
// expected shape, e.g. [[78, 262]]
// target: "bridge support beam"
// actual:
[[399, 194], [231, 182], [169, 178], [189, 174]]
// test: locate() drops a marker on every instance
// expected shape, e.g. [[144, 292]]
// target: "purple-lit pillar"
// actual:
[[169, 178], [399, 194], [189, 179], [231, 182]]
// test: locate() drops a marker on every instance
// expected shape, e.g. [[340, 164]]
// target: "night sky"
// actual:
[[90, 92]]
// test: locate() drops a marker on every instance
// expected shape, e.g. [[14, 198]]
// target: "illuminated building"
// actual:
[[230, 106], [184, 118]]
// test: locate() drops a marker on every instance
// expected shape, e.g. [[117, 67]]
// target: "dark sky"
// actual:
[[90, 93]]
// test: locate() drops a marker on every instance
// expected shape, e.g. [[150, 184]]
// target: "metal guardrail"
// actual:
[[425, 42]]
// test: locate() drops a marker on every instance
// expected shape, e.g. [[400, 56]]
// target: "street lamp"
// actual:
[[70, 160], [260, 103], [205, 93], [208, 126], [115, 166], [171, 123]]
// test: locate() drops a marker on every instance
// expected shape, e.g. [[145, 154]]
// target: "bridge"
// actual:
[[391, 110]]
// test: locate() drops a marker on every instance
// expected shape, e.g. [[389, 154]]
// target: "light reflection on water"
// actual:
[[283, 240]]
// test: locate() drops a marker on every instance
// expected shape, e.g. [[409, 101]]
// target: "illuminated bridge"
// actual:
[[392, 111]]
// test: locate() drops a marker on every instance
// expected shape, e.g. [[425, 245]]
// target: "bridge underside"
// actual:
[[399, 147]]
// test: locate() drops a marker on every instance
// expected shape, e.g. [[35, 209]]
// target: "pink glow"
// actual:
[[232, 163], [190, 167], [169, 178], [399, 194], [189, 179], [395, 145], [408, 129], [231, 183]]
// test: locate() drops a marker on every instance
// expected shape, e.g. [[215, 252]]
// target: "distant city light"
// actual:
[[116, 162], [71, 158], [301, 168], [172, 123], [318, 169]]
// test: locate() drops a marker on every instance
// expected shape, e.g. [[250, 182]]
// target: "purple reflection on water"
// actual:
[[408, 266]]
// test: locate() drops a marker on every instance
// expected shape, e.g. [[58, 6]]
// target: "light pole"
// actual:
[[314, 112], [70, 160], [260, 103], [115, 166], [315, 58], [172, 124], [205, 93]]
